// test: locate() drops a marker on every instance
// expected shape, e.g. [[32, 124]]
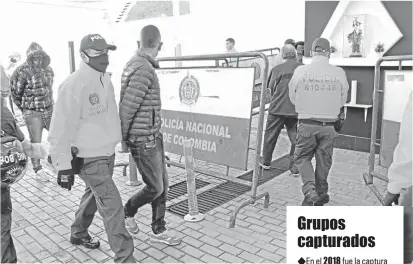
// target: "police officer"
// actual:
[[86, 117], [318, 91]]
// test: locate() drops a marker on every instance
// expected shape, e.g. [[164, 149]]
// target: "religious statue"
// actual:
[[355, 38]]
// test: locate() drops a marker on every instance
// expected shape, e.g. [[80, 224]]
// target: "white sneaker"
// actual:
[[41, 176], [166, 238], [131, 225]]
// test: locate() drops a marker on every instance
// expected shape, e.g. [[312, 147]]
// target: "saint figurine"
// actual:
[[355, 39]]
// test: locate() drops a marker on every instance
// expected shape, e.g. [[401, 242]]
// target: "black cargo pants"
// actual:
[[314, 140]]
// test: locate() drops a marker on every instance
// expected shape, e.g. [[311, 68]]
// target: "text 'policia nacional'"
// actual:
[[354, 241]]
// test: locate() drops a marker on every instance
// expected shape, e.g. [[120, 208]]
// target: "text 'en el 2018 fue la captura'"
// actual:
[[197, 128]]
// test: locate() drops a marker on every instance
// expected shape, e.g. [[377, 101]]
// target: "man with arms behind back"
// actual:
[[140, 114], [281, 111]]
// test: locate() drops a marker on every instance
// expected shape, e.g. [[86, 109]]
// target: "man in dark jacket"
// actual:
[[140, 114], [32, 92], [281, 111]]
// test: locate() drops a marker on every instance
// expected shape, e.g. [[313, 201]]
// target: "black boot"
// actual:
[[87, 242], [324, 199]]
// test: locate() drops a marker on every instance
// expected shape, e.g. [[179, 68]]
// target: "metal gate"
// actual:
[[368, 177], [256, 171]]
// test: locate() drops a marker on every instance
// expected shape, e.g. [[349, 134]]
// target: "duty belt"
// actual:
[[315, 122]]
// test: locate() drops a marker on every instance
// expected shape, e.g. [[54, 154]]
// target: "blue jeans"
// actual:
[[37, 121], [149, 157]]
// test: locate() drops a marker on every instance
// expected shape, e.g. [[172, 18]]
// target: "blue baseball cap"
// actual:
[[321, 43], [96, 42]]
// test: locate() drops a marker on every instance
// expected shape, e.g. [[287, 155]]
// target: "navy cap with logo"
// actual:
[[96, 42], [321, 45]]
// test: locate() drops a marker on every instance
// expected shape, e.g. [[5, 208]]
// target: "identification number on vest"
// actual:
[[12, 158], [322, 87]]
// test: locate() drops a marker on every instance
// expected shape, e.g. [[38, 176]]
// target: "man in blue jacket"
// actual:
[[140, 115], [281, 112]]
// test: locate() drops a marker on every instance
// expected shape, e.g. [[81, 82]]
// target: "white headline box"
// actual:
[[352, 235]]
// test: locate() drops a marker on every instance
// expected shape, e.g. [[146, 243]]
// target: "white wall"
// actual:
[[254, 24]]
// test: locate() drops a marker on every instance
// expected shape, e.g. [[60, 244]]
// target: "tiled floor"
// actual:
[[43, 212]]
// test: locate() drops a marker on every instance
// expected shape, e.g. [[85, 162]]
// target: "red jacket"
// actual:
[[140, 99]]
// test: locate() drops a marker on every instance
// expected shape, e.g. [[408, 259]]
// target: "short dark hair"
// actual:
[[150, 36], [231, 40], [299, 43], [289, 41]]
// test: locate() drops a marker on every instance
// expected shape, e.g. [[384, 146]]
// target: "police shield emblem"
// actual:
[[257, 70], [94, 99], [189, 90]]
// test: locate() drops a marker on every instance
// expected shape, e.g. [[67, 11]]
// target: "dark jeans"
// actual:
[[8, 251], [313, 140], [408, 227], [150, 161], [37, 121], [272, 131], [102, 194]]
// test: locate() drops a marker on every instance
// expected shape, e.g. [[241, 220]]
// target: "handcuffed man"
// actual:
[[281, 112], [318, 91], [140, 114], [86, 118]]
